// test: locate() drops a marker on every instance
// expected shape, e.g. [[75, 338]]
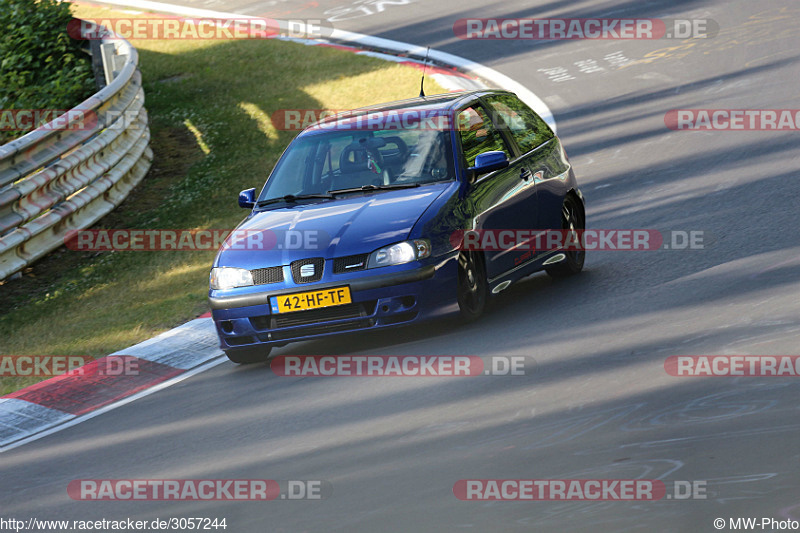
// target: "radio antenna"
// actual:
[[422, 82]]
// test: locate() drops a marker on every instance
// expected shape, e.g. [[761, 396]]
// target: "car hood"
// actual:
[[345, 226]]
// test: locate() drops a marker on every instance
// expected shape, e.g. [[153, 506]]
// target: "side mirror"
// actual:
[[488, 162], [247, 199]]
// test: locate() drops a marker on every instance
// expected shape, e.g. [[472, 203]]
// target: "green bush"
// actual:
[[41, 67]]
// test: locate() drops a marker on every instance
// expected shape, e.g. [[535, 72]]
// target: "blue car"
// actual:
[[362, 222]]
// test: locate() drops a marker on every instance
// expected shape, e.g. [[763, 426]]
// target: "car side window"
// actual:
[[527, 128], [477, 134]]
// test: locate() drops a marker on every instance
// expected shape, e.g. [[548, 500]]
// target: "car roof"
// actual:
[[435, 104]]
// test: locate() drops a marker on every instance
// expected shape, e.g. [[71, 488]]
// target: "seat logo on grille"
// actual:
[[307, 271]]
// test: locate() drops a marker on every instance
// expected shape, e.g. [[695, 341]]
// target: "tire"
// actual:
[[473, 289], [249, 355], [572, 218]]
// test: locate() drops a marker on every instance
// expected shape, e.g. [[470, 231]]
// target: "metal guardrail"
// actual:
[[56, 180]]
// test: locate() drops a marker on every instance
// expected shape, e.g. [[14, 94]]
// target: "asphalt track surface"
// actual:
[[600, 404]]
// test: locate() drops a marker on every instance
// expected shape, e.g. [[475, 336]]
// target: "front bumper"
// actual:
[[381, 300]]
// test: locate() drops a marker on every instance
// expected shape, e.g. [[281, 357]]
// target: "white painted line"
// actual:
[[456, 83], [112, 406], [195, 342], [359, 39], [19, 419], [465, 65]]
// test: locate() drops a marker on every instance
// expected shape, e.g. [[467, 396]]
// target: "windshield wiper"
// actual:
[[370, 187], [291, 198]]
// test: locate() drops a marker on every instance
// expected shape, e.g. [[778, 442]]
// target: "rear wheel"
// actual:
[[473, 290], [572, 219], [249, 355]]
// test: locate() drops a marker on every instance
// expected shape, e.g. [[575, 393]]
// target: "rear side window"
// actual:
[[527, 128], [477, 134]]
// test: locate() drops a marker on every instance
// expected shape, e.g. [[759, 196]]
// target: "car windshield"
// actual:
[[346, 161]]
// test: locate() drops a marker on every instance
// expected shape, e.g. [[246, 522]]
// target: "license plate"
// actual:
[[303, 301]]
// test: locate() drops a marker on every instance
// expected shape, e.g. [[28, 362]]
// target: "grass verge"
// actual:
[[210, 104]]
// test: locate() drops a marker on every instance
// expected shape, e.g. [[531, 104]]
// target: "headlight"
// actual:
[[228, 278], [402, 252]]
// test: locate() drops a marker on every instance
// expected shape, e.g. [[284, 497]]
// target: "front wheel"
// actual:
[[473, 290], [572, 219], [249, 355]]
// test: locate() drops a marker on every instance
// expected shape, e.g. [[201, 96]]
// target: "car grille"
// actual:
[[297, 266], [265, 276], [319, 329], [315, 316], [351, 263]]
